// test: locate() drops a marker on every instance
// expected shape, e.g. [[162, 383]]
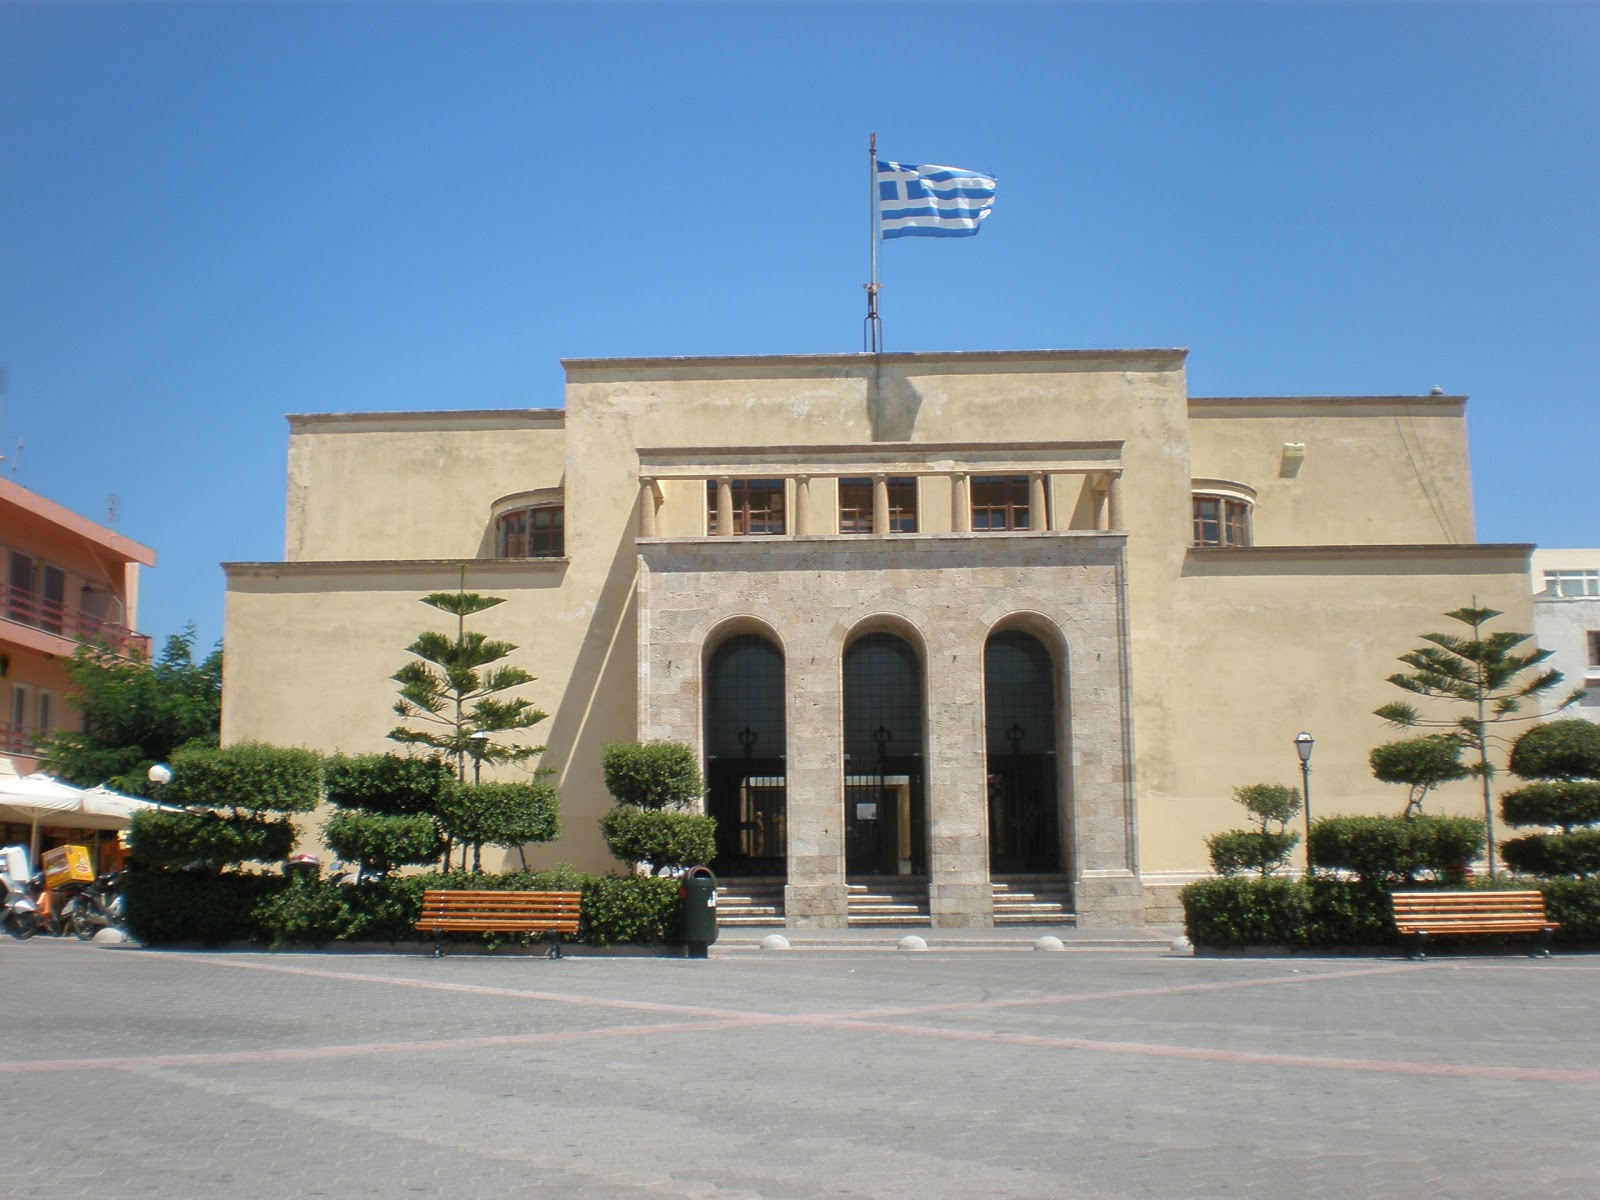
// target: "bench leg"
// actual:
[[1419, 939], [438, 943], [555, 946], [1543, 949]]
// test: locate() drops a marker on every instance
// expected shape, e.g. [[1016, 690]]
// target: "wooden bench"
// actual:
[[1424, 914], [552, 913]]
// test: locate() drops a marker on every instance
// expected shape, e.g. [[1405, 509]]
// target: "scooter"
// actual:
[[19, 911], [93, 907]]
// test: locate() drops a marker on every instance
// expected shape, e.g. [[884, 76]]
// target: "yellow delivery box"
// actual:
[[67, 864]]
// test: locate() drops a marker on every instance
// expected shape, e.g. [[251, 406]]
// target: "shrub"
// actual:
[[1574, 904], [387, 783], [182, 906], [1420, 763], [1239, 911], [380, 842], [1558, 750], [664, 839], [1346, 912], [249, 776], [306, 912], [1554, 854], [1394, 849], [501, 814], [1240, 850], [652, 775], [177, 840], [1564, 803]]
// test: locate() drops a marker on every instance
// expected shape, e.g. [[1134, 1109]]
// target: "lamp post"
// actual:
[[1303, 742], [480, 743], [159, 774]]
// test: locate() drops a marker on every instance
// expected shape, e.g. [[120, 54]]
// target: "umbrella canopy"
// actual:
[[38, 800]]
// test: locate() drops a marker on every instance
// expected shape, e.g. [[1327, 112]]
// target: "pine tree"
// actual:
[[454, 699], [1482, 671]]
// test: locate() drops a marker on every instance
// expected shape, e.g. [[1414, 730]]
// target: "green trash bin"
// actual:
[[698, 890]]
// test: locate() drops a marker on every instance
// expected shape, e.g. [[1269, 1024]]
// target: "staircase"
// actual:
[[1033, 900], [889, 900], [750, 902]]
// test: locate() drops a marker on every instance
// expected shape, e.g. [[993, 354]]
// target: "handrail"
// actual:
[[69, 621]]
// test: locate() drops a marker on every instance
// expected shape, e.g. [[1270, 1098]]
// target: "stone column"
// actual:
[[647, 508], [1101, 490], [801, 525], [960, 504], [880, 504], [724, 506], [1114, 500], [1038, 505]]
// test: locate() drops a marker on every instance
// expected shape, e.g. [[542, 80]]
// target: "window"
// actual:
[[37, 594], [757, 506], [1221, 521], [855, 505], [1572, 583], [1594, 651], [999, 502], [537, 532]]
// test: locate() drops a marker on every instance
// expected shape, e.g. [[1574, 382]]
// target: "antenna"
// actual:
[[113, 507], [16, 458]]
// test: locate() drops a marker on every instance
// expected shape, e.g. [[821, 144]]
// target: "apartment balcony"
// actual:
[[54, 627]]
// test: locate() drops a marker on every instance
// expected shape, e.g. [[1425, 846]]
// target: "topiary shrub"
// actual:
[[380, 842], [247, 777], [1550, 855], [1263, 849], [1558, 750], [387, 783], [652, 775], [665, 839], [164, 838], [1388, 850], [1574, 904], [1422, 764], [500, 814], [1564, 803], [1564, 757]]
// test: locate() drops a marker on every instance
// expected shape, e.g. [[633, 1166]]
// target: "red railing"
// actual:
[[52, 616], [16, 739]]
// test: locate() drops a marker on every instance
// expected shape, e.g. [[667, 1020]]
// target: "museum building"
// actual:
[[966, 622]]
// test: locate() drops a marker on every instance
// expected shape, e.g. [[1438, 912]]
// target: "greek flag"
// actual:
[[931, 201]]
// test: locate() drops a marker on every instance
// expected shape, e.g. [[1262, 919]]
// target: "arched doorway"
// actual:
[[884, 819], [1019, 691], [744, 739]]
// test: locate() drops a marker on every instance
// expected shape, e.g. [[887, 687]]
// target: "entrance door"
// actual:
[[1020, 714], [745, 764], [884, 811]]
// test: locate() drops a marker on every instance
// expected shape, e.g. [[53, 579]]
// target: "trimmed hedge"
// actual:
[[1393, 849], [178, 840], [387, 783], [663, 839], [1242, 851], [652, 775], [1567, 749], [380, 842], [501, 814], [1564, 803], [1237, 911], [1554, 854], [249, 776], [182, 906]]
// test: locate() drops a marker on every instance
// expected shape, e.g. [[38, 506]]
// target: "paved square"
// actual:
[[988, 1072]]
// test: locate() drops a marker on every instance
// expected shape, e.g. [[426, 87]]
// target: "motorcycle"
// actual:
[[92, 907]]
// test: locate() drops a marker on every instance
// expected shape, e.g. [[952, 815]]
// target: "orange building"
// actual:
[[64, 581]]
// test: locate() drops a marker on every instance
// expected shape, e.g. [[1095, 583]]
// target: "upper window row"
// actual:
[[1221, 521], [1572, 583], [537, 531], [999, 502]]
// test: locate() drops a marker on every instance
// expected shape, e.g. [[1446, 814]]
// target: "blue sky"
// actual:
[[212, 215]]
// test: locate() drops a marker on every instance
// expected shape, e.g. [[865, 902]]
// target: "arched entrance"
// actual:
[[1019, 691], [745, 748], [884, 818]]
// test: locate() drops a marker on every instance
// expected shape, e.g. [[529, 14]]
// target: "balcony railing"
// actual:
[[17, 739], [68, 621]]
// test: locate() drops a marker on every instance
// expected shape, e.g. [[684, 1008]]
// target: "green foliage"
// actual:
[[182, 906], [1269, 802], [1262, 851], [663, 839], [652, 775], [1565, 803], [1239, 911], [380, 842], [1385, 850], [173, 839], [247, 777], [1558, 750], [305, 912], [638, 911], [1484, 672], [1555, 854], [136, 713], [1574, 904], [451, 695], [1421, 764], [501, 814], [1346, 912], [387, 783]]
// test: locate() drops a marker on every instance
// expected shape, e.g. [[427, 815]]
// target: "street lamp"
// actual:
[[480, 743], [159, 774], [1303, 742]]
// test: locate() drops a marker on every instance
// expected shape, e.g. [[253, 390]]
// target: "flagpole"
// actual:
[[872, 327]]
